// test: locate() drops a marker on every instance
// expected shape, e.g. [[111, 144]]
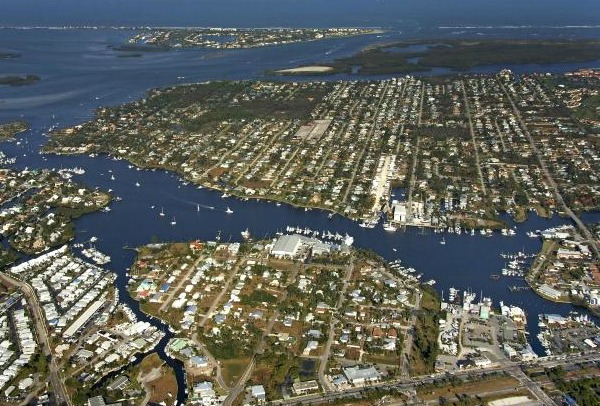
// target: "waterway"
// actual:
[[81, 73]]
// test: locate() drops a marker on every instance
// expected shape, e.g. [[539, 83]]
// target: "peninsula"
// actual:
[[463, 148], [298, 319], [9, 130], [423, 55]]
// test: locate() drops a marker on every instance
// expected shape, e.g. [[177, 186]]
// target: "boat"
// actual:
[[388, 226], [173, 222], [245, 234], [228, 211], [112, 177], [348, 240], [137, 184], [162, 213], [443, 242]]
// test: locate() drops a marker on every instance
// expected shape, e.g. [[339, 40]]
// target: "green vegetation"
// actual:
[[463, 55], [425, 347], [586, 391], [227, 344], [257, 297], [14, 80], [9, 55], [9, 130]]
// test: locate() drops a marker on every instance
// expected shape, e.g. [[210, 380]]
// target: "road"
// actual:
[[39, 322], [411, 182], [409, 384], [331, 333], [473, 139], [260, 348], [408, 336], [561, 202], [367, 141], [183, 280]]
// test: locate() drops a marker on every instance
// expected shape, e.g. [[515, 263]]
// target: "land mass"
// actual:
[[419, 56], [464, 148], [15, 80], [9, 55], [9, 130], [236, 38]]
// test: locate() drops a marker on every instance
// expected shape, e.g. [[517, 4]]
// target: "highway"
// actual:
[[410, 384]]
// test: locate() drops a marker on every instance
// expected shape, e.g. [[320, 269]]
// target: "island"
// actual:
[[423, 55], [234, 38], [9, 55], [9, 130], [461, 149], [15, 80]]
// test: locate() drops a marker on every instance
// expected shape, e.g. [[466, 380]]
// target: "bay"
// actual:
[[80, 72]]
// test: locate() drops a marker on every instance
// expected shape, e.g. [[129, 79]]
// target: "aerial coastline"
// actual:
[[299, 315]]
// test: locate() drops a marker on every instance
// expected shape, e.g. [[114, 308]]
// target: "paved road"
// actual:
[[409, 385], [41, 330], [473, 138], [260, 348], [331, 333], [561, 202], [408, 337]]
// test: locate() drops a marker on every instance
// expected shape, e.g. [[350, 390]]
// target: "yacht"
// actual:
[[443, 242], [228, 211], [388, 226], [173, 222], [245, 234], [162, 212]]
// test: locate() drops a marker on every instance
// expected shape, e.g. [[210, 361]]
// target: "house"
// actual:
[[360, 376], [302, 388], [258, 393]]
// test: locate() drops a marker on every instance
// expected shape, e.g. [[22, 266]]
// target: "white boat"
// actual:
[[162, 212], [173, 222], [228, 211], [112, 177], [245, 234], [389, 227], [137, 184], [443, 242]]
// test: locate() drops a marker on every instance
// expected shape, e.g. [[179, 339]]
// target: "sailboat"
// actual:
[[173, 222], [197, 207], [443, 242], [228, 211], [162, 212]]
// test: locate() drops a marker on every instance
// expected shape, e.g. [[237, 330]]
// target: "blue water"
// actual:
[[413, 15], [81, 73]]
